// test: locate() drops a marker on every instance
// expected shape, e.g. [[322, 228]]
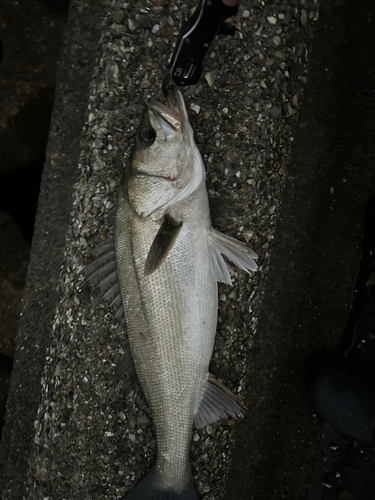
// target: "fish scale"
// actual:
[[179, 307]]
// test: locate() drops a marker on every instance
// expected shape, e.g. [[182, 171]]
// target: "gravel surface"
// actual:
[[90, 442]]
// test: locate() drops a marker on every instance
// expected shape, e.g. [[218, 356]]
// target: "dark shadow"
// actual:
[[19, 192], [55, 6], [315, 258]]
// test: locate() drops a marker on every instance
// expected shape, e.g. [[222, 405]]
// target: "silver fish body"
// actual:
[[171, 306]]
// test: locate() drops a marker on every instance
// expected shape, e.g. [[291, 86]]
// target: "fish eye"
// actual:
[[147, 135]]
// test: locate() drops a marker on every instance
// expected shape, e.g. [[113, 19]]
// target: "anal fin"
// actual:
[[162, 243], [236, 251], [217, 402]]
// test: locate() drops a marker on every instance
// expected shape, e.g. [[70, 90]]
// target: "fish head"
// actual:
[[161, 147], [164, 161]]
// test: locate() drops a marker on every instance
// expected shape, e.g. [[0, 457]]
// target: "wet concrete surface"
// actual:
[[53, 208], [31, 42], [313, 271], [92, 470], [30, 46], [55, 455], [309, 287]]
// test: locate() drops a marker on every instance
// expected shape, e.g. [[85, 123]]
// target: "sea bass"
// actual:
[[169, 260]]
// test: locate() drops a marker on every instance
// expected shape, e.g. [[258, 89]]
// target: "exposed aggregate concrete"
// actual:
[[89, 443]]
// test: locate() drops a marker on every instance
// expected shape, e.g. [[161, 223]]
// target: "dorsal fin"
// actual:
[[217, 402], [101, 274], [162, 244]]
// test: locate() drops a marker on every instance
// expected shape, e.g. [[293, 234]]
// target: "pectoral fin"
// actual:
[[217, 402], [162, 244], [234, 250]]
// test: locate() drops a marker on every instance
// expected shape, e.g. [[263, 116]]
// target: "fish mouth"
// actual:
[[171, 116]]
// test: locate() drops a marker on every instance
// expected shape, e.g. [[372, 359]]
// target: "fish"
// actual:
[[161, 274]]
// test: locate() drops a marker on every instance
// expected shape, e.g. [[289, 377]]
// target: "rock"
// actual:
[[109, 105], [145, 22], [224, 79], [274, 111], [271, 20], [163, 46], [112, 70], [195, 107], [132, 438], [132, 26], [119, 16], [143, 419], [230, 154], [248, 101], [144, 84], [254, 128], [201, 91], [210, 77]]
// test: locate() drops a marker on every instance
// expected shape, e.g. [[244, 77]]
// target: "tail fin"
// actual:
[[144, 490]]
